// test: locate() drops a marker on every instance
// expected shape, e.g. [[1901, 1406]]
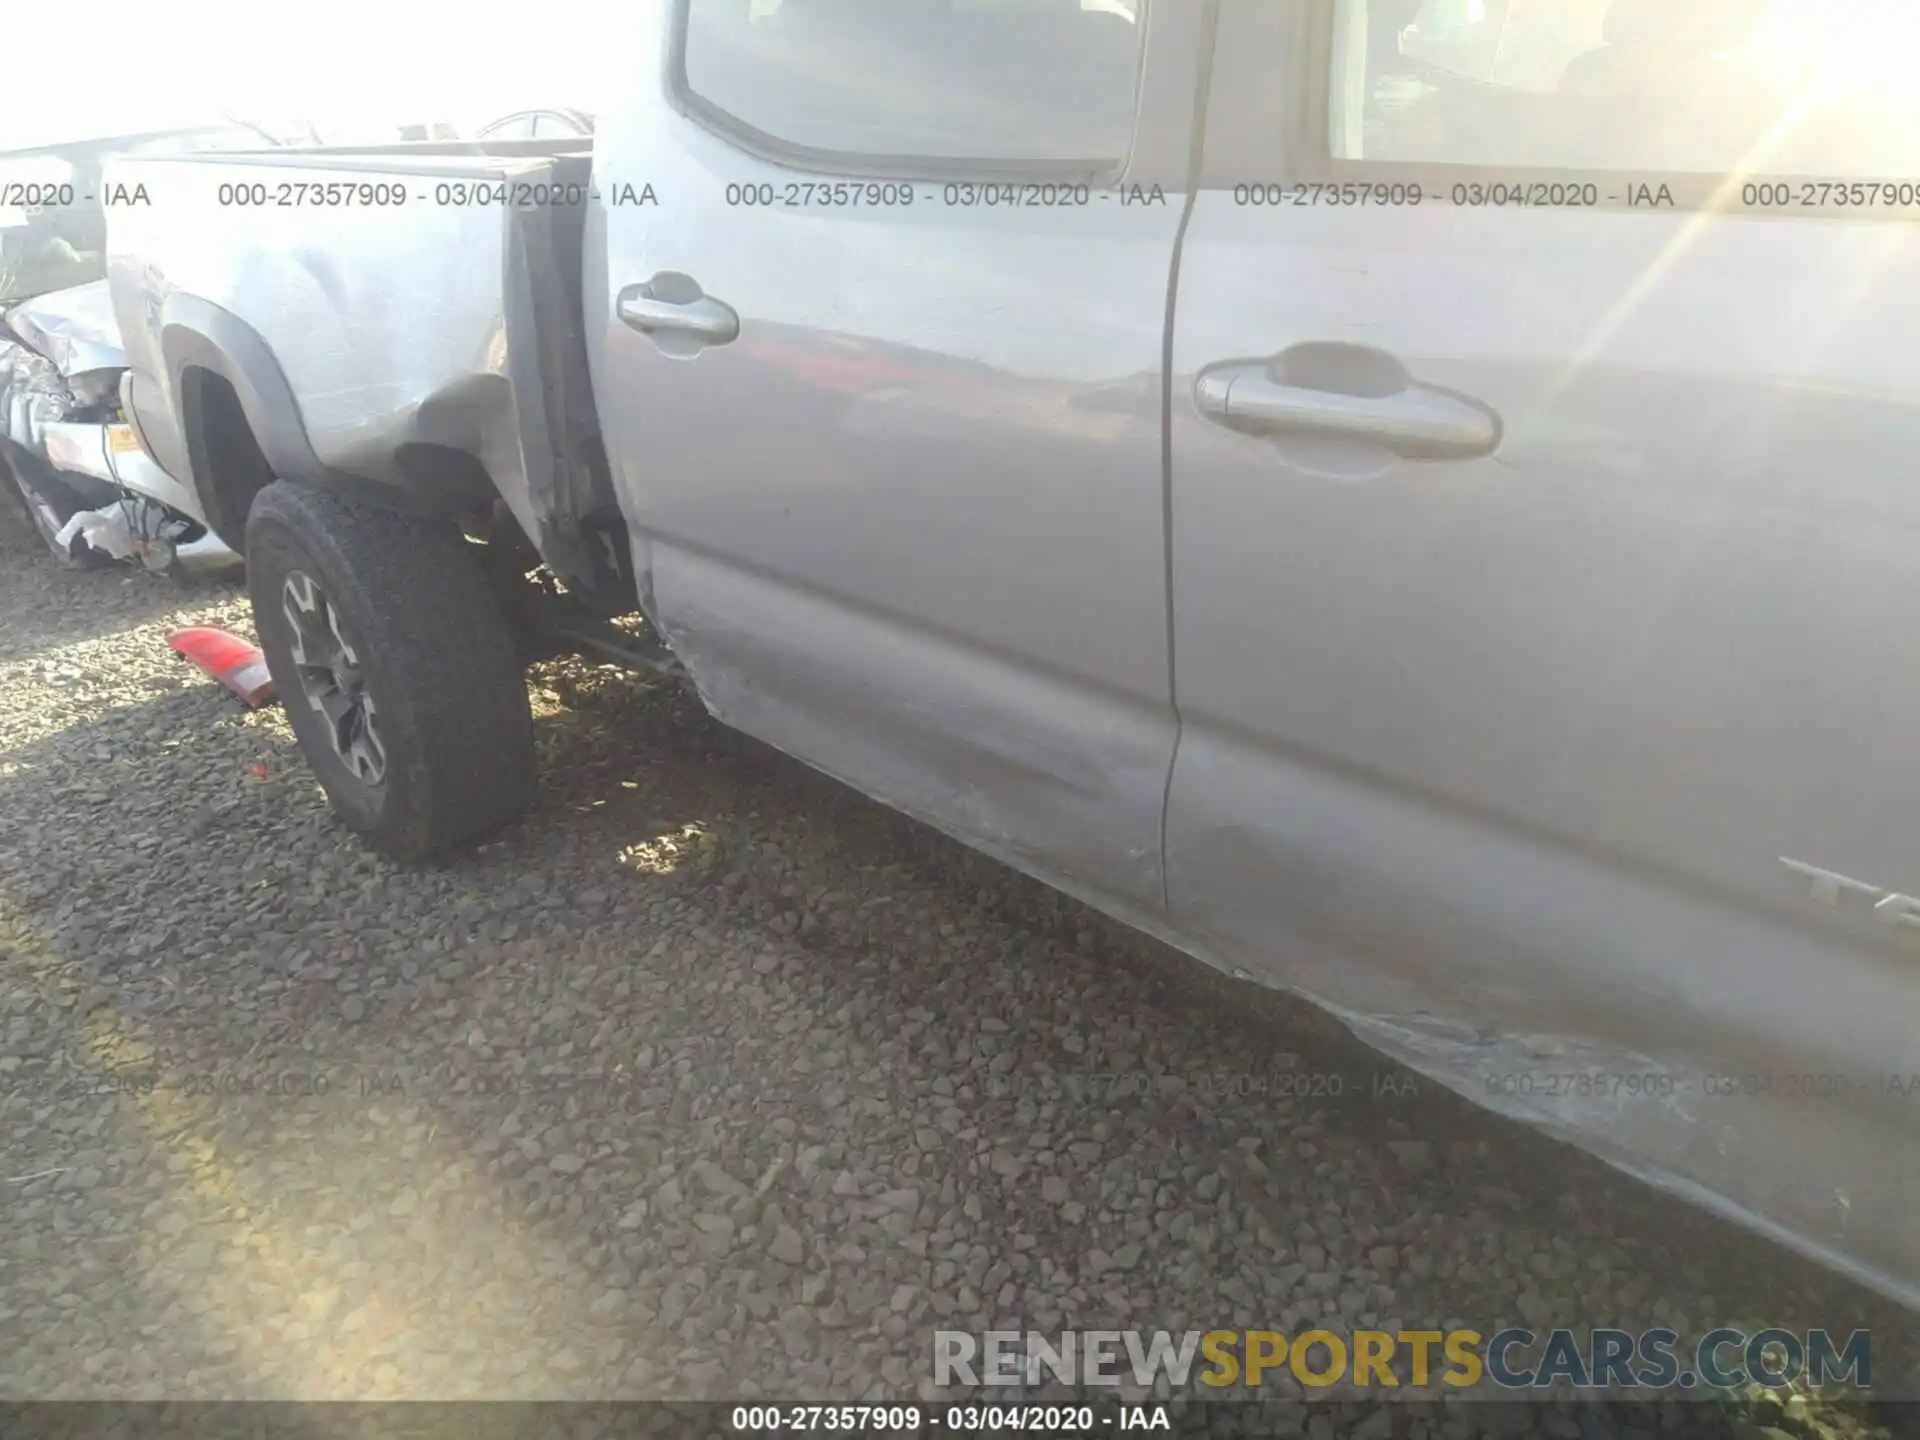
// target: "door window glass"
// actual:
[[1019, 80]]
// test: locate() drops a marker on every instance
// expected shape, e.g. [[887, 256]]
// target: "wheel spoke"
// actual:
[[364, 751], [328, 668]]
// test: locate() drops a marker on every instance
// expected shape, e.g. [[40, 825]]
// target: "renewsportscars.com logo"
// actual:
[[1724, 1359]]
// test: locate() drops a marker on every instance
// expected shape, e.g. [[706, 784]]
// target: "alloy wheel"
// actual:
[[331, 678]]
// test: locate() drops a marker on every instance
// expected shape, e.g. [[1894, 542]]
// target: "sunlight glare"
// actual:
[[1841, 49]]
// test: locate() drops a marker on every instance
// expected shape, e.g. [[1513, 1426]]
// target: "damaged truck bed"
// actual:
[[420, 345]]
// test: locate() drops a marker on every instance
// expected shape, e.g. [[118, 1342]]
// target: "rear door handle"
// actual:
[[699, 318], [1417, 422]]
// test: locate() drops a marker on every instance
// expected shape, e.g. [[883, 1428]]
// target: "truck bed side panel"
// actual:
[[393, 293]]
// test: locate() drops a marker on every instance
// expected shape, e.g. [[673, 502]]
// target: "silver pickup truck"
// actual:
[[1405, 502]]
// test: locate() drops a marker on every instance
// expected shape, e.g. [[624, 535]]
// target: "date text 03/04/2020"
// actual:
[[959, 1419], [457, 194], [1614, 192]]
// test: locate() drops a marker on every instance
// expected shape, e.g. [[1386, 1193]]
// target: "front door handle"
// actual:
[[660, 308], [1416, 422]]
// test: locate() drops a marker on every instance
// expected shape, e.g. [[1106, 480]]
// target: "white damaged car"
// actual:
[[68, 455], [76, 466]]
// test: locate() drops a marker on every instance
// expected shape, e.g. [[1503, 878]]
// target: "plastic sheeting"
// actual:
[[106, 530]]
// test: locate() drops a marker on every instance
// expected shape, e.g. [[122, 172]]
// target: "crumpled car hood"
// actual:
[[75, 329], [59, 353], [33, 394]]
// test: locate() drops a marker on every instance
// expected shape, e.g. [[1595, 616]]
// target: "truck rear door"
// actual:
[[881, 374]]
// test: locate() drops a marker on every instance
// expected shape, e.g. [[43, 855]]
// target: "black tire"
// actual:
[[431, 653]]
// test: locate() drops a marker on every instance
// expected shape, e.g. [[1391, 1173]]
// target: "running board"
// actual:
[[608, 643]]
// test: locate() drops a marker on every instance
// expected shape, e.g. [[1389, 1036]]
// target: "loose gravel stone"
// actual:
[[709, 1079]]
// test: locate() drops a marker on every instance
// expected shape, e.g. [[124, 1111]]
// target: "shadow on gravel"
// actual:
[[627, 1102], [48, 607], [1243, 1041]]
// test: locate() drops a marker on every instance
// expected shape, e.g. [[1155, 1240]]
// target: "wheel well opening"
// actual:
[[442, 479], [229, 469]]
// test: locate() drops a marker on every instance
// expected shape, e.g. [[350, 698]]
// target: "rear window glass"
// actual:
[[1802, 87]]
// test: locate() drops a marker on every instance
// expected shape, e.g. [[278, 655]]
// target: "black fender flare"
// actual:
[[197, 334]]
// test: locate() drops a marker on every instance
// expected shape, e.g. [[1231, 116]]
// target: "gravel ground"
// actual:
[[711, 1079]]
